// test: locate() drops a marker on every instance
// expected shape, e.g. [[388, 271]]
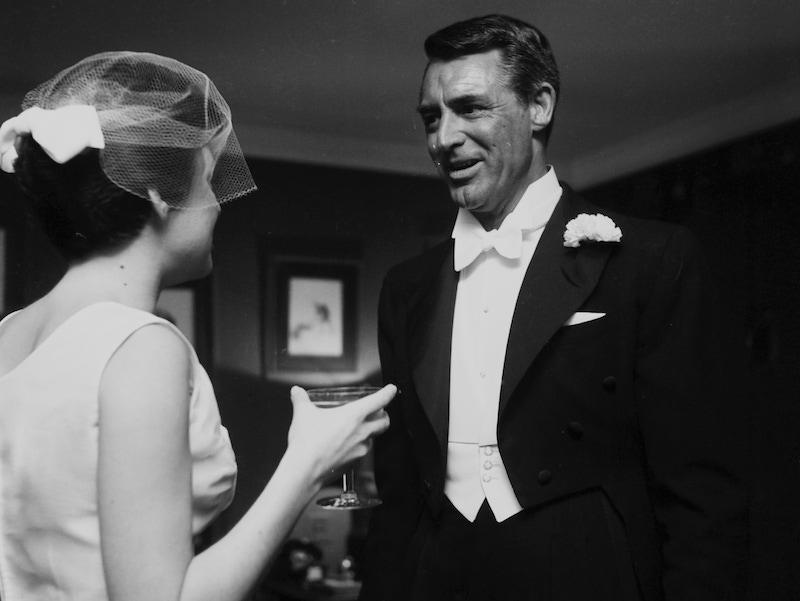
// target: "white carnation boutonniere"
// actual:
[[591, 228]]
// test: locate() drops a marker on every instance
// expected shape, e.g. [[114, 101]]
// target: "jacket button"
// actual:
[[610, 384], [544, 477], [575, 430], [426, 484]]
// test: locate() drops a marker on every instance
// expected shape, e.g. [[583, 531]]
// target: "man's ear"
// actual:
[[542, 107], [161, 207]]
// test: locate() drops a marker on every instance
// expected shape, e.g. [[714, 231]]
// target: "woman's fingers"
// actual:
[[298, 395], [343, 433], [372, 410], [376, 401], [378, 422]]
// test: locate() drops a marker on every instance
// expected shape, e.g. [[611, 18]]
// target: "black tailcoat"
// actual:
[[628, 431]]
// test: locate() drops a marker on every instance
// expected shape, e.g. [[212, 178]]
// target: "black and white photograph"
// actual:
[[400, 300]]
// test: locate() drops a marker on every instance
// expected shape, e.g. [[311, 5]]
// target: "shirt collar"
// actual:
[[540, 196]]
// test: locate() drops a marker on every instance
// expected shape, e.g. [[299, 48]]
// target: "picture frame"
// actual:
[[310, 294]]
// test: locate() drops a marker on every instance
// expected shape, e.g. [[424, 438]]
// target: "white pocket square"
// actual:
[[582, 317]]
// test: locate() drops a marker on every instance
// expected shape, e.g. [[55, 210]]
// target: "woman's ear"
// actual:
[[542, 107], [161, 207]]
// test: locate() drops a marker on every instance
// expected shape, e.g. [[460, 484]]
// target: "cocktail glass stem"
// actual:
[[349, 485]]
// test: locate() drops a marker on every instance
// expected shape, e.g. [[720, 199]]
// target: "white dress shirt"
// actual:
[[485, 299]]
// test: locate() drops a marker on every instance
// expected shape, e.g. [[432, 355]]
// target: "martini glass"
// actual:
[[334, 397]]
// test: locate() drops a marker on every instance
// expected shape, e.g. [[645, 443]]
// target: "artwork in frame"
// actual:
[[314, 321], [309, 291]]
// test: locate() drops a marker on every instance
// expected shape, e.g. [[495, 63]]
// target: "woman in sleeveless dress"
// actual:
[[112, 454]]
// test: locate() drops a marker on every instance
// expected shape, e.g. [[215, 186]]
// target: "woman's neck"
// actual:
[[130, 277]]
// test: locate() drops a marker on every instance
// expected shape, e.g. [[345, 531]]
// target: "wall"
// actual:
[[743, 201]]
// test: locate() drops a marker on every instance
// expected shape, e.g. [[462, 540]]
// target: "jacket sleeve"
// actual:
[[387, 572], [693, 412]]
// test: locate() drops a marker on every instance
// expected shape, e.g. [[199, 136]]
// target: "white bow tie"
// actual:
[[507, 241]]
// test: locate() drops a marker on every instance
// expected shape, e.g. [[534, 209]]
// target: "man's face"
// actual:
[[478, 134]]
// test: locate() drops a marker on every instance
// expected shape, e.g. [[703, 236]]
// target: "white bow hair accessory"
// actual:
[[63, 133], [591, 228]]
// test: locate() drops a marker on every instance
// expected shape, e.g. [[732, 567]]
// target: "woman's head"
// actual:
[[153, 115], [80, 209]]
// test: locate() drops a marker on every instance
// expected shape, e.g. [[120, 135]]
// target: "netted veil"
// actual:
[[155, 113]]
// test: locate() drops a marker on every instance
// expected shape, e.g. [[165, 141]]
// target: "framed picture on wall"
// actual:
[[310, 313], [315, 323]]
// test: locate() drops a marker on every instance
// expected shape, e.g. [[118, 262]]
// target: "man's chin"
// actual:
[[465, 197]]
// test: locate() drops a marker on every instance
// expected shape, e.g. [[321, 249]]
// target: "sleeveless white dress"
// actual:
[[49, 528]]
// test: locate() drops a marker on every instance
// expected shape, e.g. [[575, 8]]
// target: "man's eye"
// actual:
[[430, 122]]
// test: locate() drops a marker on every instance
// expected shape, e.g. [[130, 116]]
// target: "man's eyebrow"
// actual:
[[458, 101], [466, 99]]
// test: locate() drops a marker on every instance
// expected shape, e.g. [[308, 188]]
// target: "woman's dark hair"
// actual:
[[80, 209], [528, 60]]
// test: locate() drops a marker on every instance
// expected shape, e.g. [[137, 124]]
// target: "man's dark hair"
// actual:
[[81, 210], [528, 61]]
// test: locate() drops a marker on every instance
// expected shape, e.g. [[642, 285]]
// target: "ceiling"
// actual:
[[335, 81]]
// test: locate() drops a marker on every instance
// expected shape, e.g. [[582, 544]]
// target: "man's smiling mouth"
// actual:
[[461, 169]]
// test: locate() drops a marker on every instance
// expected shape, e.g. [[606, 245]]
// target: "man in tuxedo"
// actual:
[[566, 428]]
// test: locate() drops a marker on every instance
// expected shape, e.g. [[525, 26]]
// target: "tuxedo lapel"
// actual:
[[558, 281], [430, 332]]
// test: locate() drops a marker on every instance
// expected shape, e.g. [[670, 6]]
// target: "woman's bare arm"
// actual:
[[145, 478]]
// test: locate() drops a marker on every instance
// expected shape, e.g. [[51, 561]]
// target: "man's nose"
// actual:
[[449, 133]]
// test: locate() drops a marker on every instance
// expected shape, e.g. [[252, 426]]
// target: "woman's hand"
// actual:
[[320, 440], [324, 440]]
